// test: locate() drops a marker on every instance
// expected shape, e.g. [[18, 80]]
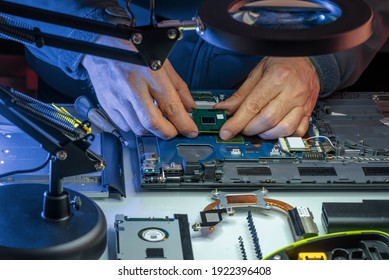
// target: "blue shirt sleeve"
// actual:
[[68, 61], [335, 71]]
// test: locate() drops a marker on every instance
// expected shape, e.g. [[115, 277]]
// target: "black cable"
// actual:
[[130, 13], [27, 170], [152, 12]]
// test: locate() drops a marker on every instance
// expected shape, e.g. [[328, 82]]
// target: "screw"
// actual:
[[215, 193], [61, 155], [76, 202], [277, 257], [230, 211], [99, 166], [200, 28], [155, 64], [196, 227], [137, 38], [172, 33]]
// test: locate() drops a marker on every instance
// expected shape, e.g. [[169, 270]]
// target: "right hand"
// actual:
[[275, 101], [127, 93]]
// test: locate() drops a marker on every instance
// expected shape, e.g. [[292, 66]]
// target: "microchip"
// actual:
[[295, 144], [209, 120]]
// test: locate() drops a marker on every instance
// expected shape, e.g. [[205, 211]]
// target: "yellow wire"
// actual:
[[72, 120]]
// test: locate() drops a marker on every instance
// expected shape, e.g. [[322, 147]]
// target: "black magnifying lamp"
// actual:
[[264, 27], [39, 221], [272, 28], [286, 27]]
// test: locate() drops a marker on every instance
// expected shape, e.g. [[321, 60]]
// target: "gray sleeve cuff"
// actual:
[[328, 72]]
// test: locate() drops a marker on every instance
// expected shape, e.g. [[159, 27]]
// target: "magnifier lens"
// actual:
[[286, 27], [285, 14]]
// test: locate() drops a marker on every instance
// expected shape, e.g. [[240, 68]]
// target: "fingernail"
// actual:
[[192, 134], [225, 134]]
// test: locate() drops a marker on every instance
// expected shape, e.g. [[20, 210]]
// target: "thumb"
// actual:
[[232, 104]]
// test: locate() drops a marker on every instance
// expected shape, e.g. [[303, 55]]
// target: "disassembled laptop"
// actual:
[[346, 147]]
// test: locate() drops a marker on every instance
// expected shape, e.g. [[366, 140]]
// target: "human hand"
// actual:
[[127, 93], [275, 101]]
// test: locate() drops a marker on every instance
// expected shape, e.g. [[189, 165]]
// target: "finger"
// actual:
[[150, 115], [157, 85], [171, 106], [118, 119], [271, 114], [287, 126], [128, 113], [259, 97], [181, 87], [112, 106], [234, 101], [122, 114], [302, 128]]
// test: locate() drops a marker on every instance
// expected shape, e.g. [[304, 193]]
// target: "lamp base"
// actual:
[[26, 235]]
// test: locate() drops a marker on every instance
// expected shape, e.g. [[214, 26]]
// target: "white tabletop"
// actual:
[[221, 244]]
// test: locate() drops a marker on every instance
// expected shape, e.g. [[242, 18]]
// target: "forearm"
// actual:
[[337, 71]]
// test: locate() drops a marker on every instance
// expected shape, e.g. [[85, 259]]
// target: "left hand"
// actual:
[[127, 92], [275, 101]]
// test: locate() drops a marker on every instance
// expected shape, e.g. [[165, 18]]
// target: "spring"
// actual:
[[12, 29], [254, 235], [49, 115], [242, 248]]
